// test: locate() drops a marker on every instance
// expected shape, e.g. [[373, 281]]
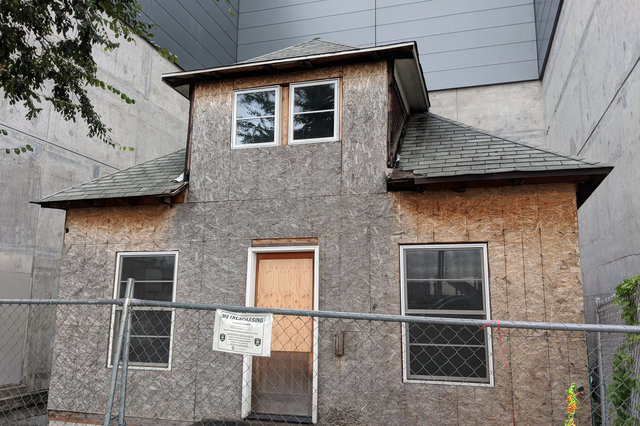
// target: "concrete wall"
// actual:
[[336, 193], [461, 43], [514, 111], [31, 237], [201, 33], [591, 90]]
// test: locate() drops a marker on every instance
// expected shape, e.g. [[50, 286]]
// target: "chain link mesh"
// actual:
[[607, 347], [55, 368]]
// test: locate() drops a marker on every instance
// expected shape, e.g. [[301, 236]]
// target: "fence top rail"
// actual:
[[62, 301], [534, 325]]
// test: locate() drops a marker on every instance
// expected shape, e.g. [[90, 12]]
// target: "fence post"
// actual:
[[123, 332], [603, 401], [125, 354]]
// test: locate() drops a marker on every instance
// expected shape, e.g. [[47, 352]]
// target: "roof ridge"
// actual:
[[284, 48], [293, 46], [486, 132], [339, 43], [114, 173]]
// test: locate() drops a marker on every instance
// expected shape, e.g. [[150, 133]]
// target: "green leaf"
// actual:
[[29, 148], [49, 41]]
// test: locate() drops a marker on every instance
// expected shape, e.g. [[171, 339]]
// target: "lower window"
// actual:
[[151, 328], [446, 281]]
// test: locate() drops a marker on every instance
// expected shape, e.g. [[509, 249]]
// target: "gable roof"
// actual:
[[437, 150], [161, 177], [316, 46]]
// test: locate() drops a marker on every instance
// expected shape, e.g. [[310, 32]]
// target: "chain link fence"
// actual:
[[607, 345], [324, 367]]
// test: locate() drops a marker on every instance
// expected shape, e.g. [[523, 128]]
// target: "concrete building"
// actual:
[[591, 92], [30, 238], [31, 242]]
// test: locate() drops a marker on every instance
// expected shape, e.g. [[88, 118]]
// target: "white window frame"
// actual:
[[113, 326], [276, 130], [336, 110], [247, 360], [405, 328]]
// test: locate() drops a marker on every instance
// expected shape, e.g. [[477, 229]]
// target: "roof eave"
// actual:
[[586, 180], [161, 198], [406, 50]]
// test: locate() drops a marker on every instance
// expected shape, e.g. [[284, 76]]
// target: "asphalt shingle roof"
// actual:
[[316, 46], [156, 177], [436, 147]]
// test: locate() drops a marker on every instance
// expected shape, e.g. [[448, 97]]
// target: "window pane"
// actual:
[[151, 323], [445, 295], [258, 130], [446, 334], [150, 290], [147, 268], [314, 98], [444, 279], [144, 349], [313, 125], [462, 264], [256, 104], [422, 263], [149, 350], [448, 362]]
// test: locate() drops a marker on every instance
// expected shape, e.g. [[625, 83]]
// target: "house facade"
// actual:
[[322, 162]]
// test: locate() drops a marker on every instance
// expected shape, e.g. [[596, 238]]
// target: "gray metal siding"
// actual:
[[284, 23], [461, 43], [202, 33], [546, 12]]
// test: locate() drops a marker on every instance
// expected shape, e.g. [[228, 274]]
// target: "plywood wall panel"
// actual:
[[533, 271]]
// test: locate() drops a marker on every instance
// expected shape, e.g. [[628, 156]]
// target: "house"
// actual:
[[322, 161]]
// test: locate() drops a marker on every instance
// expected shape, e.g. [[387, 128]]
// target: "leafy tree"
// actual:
[[45, 54]]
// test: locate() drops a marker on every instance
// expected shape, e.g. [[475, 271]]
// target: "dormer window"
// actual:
[[256, 116], [313, 112]]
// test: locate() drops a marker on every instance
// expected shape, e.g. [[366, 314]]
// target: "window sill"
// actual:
[[144, 367], [443, 382], [255, 145], [312, 141]]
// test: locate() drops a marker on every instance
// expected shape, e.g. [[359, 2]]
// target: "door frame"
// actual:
[[247, 360]]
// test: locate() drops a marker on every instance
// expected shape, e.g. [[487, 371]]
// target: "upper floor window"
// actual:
[[313, 111], [449, 280], [256, 116]]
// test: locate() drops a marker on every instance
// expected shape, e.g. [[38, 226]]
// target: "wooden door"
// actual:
[[282, 385]]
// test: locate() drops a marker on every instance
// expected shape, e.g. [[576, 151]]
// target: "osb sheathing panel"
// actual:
[[531, 233], [289, 77], [532, 245], [354, 164]]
